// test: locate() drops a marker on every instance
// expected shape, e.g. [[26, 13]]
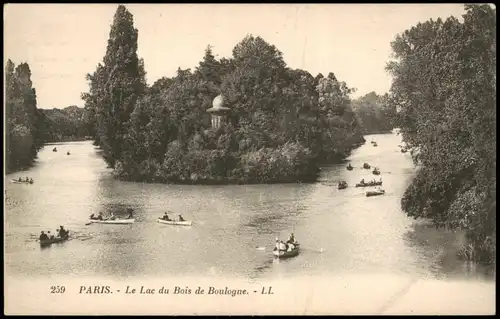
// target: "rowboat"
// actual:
[[54, 240], [375, 193], [16, 181], [376, 172], [175, 222], [366, 166], [114, 221], [286, 254], [349, 168], [369, 184], [342, 185]]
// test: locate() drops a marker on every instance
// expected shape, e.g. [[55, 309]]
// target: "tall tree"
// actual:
[[120, 82], [23, 121]]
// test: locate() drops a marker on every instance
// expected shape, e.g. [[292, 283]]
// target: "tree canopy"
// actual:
[[22, 118], [444, 84], [282, 125]]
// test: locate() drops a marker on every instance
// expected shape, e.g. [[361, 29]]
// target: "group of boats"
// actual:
[[375, 171], [55, 150], [377, 192], [362, 183], [46, 241]]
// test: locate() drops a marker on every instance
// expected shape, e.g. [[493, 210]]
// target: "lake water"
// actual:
[[342, 232]]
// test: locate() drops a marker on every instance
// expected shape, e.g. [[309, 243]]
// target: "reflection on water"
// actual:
[[342, 232]]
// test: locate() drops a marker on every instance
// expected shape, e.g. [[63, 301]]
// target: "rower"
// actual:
[[363, 181], [49, 235], [165, 217], [291, 239], [130, 214], [20, 179], [92, 216], [180, 218], [62, 231], [43, 236], [100, 216]]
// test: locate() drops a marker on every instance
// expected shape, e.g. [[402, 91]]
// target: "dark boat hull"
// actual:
[[368, 185], [370, 194], [49, 242]]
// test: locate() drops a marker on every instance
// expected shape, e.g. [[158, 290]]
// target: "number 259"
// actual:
[[57, 289]]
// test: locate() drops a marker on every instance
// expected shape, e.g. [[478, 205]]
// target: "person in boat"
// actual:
[[20, 179], [165, 217], [180, 218], [100, 216], [277, 244], [282, 245], [130, 214], [290, 246], [362, 181], [50, 235], [291, 239], [112, 217], [27, 179], [43, 236], [62, 232]]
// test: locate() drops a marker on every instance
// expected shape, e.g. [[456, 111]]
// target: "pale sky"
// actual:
[[64, 42]]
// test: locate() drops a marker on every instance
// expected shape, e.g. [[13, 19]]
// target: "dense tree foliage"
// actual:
[[66, 124], [23, 120], [116, 86], [445, 88], [283, 123], [375, 113]]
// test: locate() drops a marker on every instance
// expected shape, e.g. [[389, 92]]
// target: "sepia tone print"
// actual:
[[250, 159]]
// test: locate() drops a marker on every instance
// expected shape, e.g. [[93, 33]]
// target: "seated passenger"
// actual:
[[43, 236]]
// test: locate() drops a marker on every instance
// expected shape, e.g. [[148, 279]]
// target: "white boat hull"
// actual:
[[175, 223], [116, 221]]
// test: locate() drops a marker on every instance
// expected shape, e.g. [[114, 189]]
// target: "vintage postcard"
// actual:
[[258, 159]]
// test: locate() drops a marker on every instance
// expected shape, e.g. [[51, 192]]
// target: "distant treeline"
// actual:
[[27, 128], [375, 114], [445, 89], [283, 124], [68, 124], [23, 121]]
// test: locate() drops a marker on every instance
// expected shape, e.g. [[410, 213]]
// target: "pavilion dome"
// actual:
[[218, 101]]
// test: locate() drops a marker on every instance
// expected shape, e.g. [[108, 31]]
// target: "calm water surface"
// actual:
[[341, 231]]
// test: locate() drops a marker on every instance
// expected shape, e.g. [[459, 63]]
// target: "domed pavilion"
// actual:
[[218, 111]]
